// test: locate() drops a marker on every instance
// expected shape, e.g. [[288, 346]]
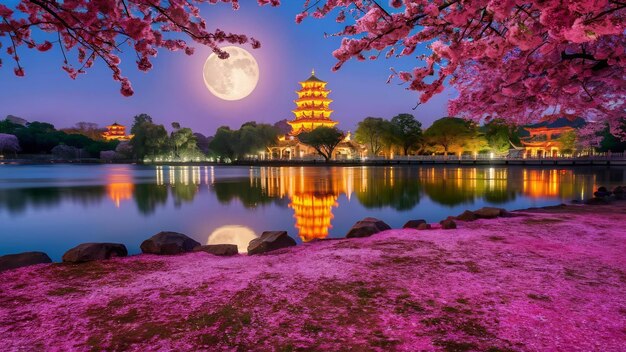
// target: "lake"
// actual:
[[52, 208]]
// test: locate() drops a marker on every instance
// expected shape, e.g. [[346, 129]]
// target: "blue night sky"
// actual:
[[174, 89]]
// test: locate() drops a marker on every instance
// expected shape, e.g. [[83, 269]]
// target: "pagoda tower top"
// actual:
[[312, 106]]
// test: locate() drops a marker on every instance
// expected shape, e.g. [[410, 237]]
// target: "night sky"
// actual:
[[174, 89]]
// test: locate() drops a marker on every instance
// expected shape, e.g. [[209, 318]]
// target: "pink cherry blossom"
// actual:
[[101, 30], [511, 59], [543, 280]]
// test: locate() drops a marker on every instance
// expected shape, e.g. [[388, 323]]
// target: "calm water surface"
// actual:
[[52, 208]]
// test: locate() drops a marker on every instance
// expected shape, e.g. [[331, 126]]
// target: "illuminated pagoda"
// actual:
[[312, 106], [312, 111], [542, 139], [116, 132]]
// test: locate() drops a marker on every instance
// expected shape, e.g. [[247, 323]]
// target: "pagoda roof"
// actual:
[[542, 144], [554, 121], [313, 78], [313, 120], [305, 99], [116, 124], [312, 108]]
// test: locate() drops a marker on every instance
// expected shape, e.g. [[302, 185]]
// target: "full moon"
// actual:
[[233, 78], [233, 234]]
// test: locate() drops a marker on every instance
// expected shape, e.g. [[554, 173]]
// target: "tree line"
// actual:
[[400, 135], [403, 135], [41, 138]]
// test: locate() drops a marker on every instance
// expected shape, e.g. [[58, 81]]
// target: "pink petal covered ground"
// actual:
[[550, 280]]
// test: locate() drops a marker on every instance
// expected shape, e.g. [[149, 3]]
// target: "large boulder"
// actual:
[[423, 226], [413, 224], [88, 252], [448, 224], [467, 215], [367, 227], [270, 241], [14, 261], [218, 249], [602, 192], [168, 243], [489, 212], [598, 201], [619, 192]]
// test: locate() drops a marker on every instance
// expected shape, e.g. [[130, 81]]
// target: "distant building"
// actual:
[[542, 139], [312, 111], [116, 132]]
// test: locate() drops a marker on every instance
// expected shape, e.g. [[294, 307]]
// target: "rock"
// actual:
[[597, 201], [381, 225], [467, 215], [413, 224], [168, 243], [87, 252], [270, 241], [14, 261], [218, 249], [489, 212], [602, 192], [619, 192], [367, 227], [448, 224], [423, 226]]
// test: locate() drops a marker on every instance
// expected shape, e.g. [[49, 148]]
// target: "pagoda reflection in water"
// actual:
[[313, 192], [120, 187], [312, 195]]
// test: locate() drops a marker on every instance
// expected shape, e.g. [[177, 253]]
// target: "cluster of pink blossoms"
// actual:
[[85, 30], [511, 59]]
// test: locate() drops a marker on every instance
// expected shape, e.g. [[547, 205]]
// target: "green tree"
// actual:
[[224, 143], [374, 133], [476, 141], [612, 143], [9, 127], [449, 134], [183, 142], [500, 134], [408, 132], [323, 139], [253, 137], [40, 137], [250, 138], [568, 142], [149, 140]]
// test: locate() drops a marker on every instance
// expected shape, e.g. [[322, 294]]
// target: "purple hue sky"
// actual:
[[174, 89]]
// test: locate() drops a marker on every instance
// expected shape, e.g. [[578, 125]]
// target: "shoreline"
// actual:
[[533, 163], [556, 273]]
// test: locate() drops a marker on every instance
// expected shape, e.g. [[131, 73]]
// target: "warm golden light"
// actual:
[[313, 214], [233, 78], [116, 132], [312, 106], [120, 187], [312, 198], [232, 234]]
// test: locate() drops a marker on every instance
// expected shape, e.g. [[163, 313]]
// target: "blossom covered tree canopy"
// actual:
[[510, 59], [102, 28]]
